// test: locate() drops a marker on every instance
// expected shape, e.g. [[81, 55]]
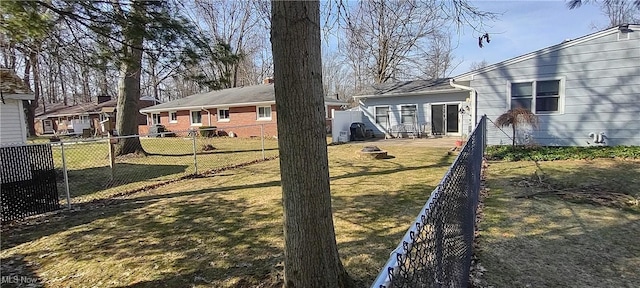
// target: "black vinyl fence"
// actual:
[[437, 249], [28, 184]]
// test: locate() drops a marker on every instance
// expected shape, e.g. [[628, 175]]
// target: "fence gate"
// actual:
[[28, 181]]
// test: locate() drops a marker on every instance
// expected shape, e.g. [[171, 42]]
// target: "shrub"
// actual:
[[516, 118], [207, 131], [549, 153]]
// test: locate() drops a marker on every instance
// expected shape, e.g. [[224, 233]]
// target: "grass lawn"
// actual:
[[577, 235], [170, 158], [225, 230]]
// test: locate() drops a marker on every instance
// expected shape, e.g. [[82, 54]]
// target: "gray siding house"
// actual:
[[417, 108], [580, 88]]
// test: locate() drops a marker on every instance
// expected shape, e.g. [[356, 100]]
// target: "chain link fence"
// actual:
[[498, 135], [436, 250], [93, 169]]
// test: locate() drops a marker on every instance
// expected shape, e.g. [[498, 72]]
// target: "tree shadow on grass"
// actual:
[[212, 152], [381, 219], [368, 170], [184, 232], [550, 240], [176, 243], [88, 181], [554, 249], [63, 220], [18, 273]]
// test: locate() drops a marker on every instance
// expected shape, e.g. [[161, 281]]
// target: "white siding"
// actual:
[[12, 125], [602, 92], [395, 103]]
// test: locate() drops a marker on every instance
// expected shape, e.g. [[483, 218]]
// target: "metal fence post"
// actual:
[[112, 156], [66, 176], [484, 133], [195, 152], [262, 137]]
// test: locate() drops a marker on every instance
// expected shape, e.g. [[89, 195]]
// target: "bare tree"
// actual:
[[478, 65], [337, 78], [618, 11], [437, 61], [621, 12], [239, 25], [389, 33], [403, 39]]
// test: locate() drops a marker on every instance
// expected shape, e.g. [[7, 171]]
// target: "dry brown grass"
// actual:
[[225, 230], [551, 241]]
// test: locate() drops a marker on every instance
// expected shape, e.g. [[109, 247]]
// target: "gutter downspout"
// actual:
[[473, 95], [208, 114]]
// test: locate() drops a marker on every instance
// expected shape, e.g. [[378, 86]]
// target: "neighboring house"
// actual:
[[95, 117], [579, 89], [240, 110], [13, 126], [420, 107]]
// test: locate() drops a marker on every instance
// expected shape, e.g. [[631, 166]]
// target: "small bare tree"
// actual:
[[618, 11], [478, 65], [517, 118]]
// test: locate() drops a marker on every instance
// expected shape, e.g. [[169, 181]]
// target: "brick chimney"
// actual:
[[268, 80], [102, 99]]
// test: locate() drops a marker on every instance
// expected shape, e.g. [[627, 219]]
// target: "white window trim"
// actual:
[[414, 111], [153, 118], [460, 118], [375, 114], [218, 114], [173, 121], [191, 118], [263, 118], [561, 93]]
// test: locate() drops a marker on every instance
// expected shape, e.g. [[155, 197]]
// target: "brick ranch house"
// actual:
[[61, 119], [241, 110]]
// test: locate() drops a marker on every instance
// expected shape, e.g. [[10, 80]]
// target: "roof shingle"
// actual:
[[10, 83], [402, 87], [227, 97]]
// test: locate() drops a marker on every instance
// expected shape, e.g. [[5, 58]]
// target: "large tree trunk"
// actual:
[[103, 78], [32, 64], [129, 88], [311, 253], [62, 86]]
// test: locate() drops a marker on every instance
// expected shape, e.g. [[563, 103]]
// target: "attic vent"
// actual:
[[624, 32]]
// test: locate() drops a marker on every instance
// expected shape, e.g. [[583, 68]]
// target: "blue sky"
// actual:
[[524, 26]]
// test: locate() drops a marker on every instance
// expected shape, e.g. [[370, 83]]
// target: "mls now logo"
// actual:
[[18, 279]]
